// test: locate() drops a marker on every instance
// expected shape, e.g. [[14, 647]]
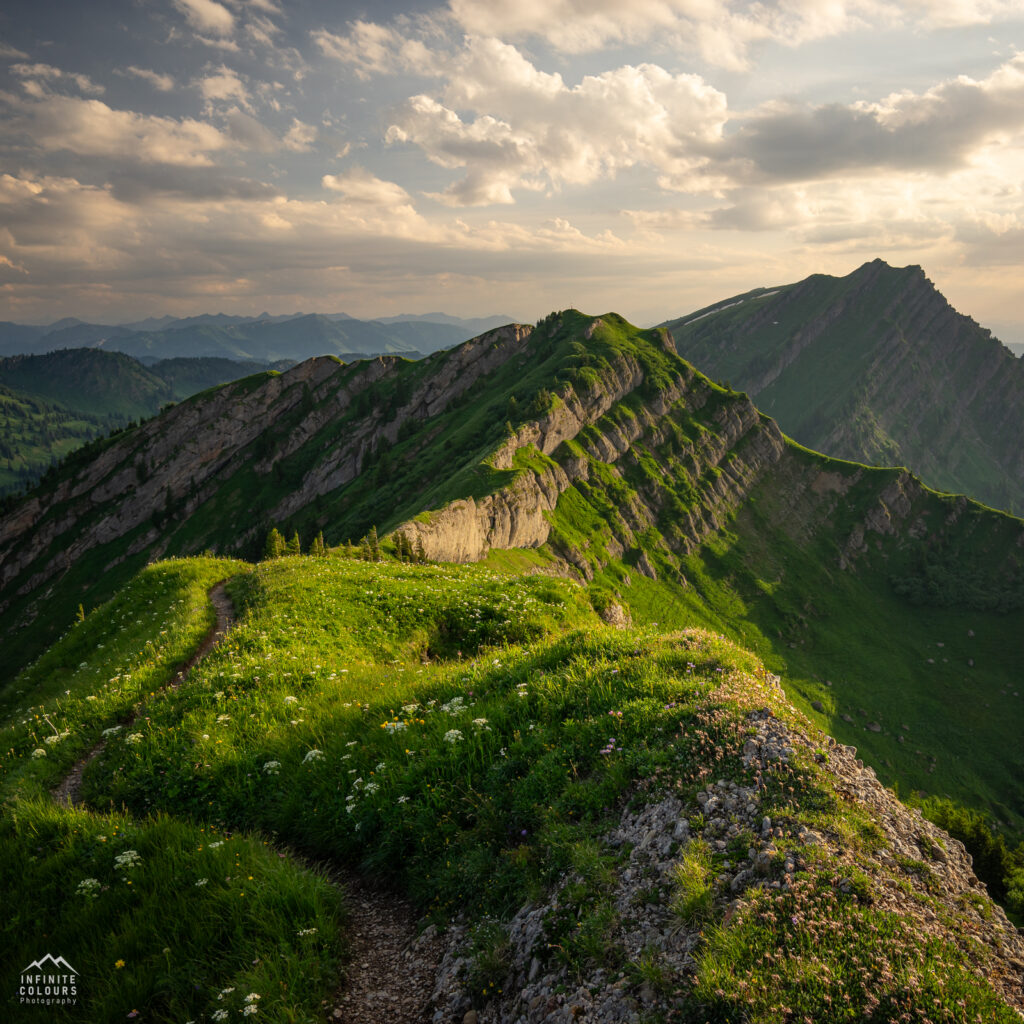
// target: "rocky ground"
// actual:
[[952, 904]]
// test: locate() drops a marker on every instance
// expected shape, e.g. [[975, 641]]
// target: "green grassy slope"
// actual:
[[445, 728], [876, 367], [830, 571]]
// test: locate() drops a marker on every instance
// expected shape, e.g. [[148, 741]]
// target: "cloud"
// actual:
[[935, 131], [539, 133], [8, 52], [358, 185], [720, 31], [207, 16], [91, 128], [223, 85], [46, 72], [300, 136], [370, 48], [160, 82]]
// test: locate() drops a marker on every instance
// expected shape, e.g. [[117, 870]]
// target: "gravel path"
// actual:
[[390, 978], [68, 792]]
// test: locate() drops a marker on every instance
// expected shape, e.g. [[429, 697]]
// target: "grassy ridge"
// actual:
[[465, 732]]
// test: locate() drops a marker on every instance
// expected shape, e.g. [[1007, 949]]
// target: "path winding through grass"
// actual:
[[69, 790], [390, 974]]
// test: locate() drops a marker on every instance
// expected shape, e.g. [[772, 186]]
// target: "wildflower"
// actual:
[[313, 755], [127, 860], [225, 992], [213, 846], [133, 738], [38, 752], [219, 1015], [201, 883], [352, 743], [452, 736], [370, 788], [88, 887], [302, 932], [252, 997], [291, 700], [481, 723], [395, 726], [51, 740], [403, 799], [118, 964], [380, 767], [248, 1011], [272, 768]]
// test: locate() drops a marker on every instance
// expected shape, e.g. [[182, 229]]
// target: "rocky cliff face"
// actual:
[[876, 367]]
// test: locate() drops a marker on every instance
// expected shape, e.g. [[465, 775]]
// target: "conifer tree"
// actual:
[[275, 544], [421, 555], [294, 545], [318, 547], [374, 544]]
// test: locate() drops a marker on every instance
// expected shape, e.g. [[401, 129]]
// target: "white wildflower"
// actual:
[[39, 752], [272, 768], [88, 887], [201, 883], [133, 738], [127, 860], [452, 736], [313, 755]]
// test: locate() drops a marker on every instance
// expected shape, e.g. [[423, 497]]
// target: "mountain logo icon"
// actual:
[[49, 981], [49, 962]]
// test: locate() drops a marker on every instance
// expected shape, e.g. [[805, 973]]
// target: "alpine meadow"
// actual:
[[512, 513]]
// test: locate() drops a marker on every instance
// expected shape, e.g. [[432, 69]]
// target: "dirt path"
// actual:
[[69, 789], [390, 978]]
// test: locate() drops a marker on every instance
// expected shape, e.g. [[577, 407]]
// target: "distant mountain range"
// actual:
[[265, 338], [876, 367], [51, 404]]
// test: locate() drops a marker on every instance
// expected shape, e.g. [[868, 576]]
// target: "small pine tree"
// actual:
[[294, 545], [373, 542], [318, 547], [421, 555], [275, 544]]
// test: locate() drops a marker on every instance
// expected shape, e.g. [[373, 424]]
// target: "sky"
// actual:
[[503, 156]]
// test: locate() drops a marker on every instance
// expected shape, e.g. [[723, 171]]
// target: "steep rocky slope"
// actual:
[[875, 367]]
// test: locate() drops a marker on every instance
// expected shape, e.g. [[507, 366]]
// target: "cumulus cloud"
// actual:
[[207, 16], [223, 85], [538, 132], [91, 128], [370, 48], [300, 136], [720, 31], [34, 73], [934, 131], [358, 185], [160, 82]]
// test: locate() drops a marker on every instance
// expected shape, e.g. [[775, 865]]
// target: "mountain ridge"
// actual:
[[874, 367]]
